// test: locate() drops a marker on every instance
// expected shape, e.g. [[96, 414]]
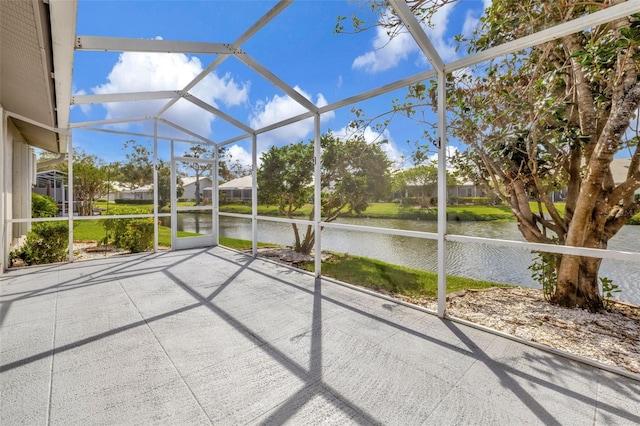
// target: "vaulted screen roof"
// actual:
[[250, 49], [258, 54]]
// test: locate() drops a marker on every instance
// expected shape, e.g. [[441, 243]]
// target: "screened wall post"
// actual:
[[317, 198], [254, 195], [71, 194], [215, 196], [156, 200], [442, 195]]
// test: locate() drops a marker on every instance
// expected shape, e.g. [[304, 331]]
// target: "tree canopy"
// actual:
[[89, 181], [555, 115], [354, 173]]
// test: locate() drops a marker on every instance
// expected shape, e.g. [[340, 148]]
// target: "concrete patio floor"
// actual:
[[212, 336]]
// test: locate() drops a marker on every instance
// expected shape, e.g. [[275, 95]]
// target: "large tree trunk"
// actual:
[[577, 285]]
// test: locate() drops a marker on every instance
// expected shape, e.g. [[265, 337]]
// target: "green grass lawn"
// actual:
[[378, 275], [395, 211], [93, 230]]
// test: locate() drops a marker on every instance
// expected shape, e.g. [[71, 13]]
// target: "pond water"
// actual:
[[485, 262]]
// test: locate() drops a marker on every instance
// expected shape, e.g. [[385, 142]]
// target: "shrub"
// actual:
[[47, 242], [43, 206], [135, 235], [138, 236], [123, 201]]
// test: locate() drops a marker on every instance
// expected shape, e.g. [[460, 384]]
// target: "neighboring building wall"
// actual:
[[189, 193], [235, 194], [134, 195]]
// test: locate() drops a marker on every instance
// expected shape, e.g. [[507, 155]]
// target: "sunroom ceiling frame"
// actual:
[[124, 97], [611, 13], [118, 44], [215, 111], [225, 50]]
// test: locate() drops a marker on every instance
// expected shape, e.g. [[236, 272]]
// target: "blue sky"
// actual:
[[298, 46]]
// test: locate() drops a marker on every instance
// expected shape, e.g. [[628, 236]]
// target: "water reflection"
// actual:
[[479, 261]]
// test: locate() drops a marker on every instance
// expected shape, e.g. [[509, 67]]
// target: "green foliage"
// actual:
[[138, 170], [43, 206], [285, 177], [547, 117], [354, 173], [89, 180], [47, 242], [544, 270], [473, 201], [129, 202], [199, 168], [164, 184], [608, 290], [379, 275], [133, 234], [138, 236]]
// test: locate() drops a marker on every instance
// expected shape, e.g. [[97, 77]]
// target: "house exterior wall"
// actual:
[[133, 195], [17, 178], [21, 182], [235, 194], [189, 193]]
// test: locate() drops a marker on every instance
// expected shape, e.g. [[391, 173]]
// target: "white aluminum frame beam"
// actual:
[[425, 75], [215, 111], [185, 130], [124, 97], [276, 81], [257, 26], [82, 124], [604, 16], [63, 16], [36, 123], [120, 44], [417, 32], [236, 139], [295, 119], [142, 135]]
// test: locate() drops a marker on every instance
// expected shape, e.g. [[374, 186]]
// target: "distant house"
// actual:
[[53, 183], [619, 169], [236, 189], [142, 193], [189, 185], [465, 189]]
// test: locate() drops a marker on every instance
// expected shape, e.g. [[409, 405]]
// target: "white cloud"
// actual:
[[280, 108], [240, 154], [140, 72], [451, 151], [388, 52], [371, 136]]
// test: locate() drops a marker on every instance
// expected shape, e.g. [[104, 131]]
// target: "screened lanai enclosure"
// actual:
[[267, 212], [463, 113]]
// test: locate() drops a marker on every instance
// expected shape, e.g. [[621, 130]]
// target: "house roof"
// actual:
[[143, 189], [31, 92], [244, 182], [189, 180]]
